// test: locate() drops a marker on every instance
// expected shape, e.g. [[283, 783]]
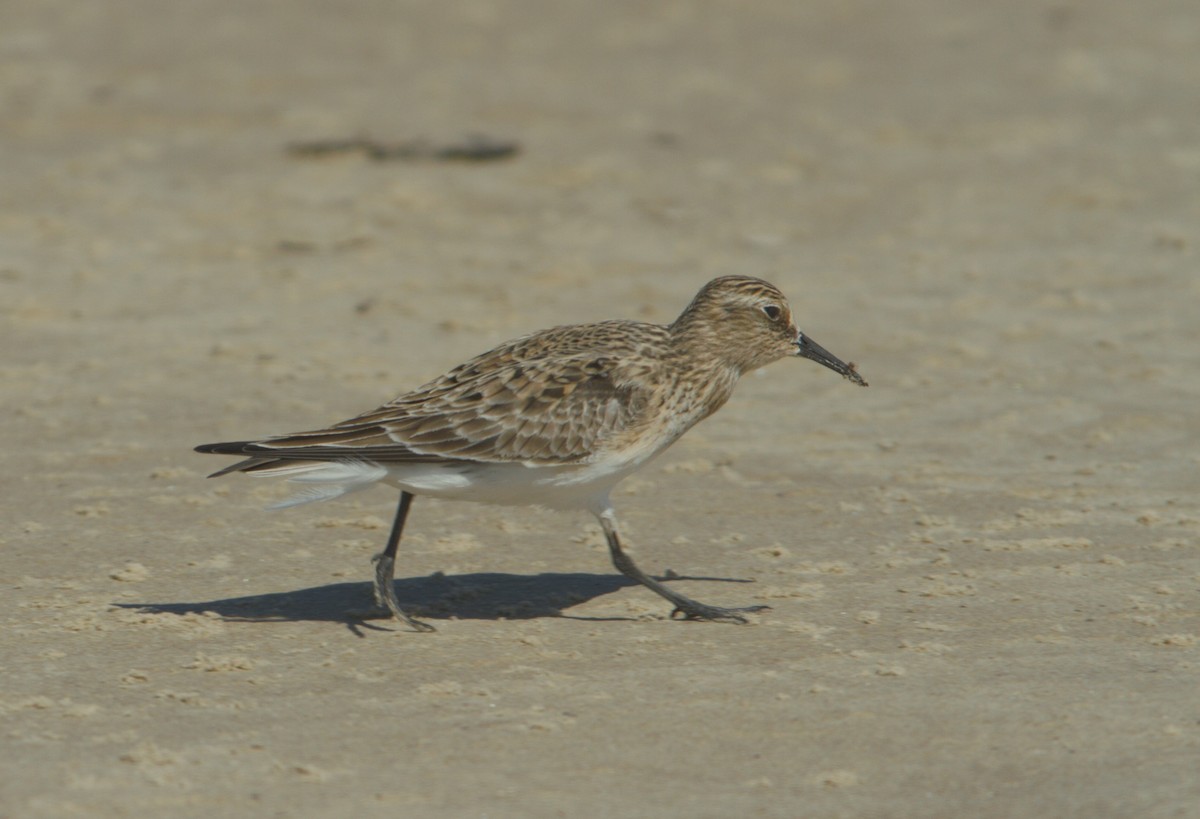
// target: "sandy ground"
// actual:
[[983, 569]]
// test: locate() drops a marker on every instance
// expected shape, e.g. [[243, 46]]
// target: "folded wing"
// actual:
[[499, 407]]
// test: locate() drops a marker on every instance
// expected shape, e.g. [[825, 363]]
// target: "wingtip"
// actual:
[[224, 448]]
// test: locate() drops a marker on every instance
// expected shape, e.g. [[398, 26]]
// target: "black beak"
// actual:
[[807, 348]]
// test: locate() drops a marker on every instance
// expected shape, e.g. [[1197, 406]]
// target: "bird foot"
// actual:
[[384, 612], [387, 607], [699, 611]]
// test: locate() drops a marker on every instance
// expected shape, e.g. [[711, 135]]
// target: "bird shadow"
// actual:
[[478, 596]]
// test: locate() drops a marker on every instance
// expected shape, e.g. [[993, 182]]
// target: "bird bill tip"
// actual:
[[807, 348]]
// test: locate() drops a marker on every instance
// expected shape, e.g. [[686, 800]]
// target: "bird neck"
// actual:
[[696, 346]]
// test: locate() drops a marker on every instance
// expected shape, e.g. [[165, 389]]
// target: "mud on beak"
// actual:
[[807, 348]]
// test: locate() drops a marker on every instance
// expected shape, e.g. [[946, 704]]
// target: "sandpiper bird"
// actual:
[[556, 418]]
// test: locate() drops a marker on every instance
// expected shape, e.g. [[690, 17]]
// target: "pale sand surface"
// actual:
[[984, 569]]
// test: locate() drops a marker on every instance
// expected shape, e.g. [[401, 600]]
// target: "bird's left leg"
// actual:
[[687, 607]]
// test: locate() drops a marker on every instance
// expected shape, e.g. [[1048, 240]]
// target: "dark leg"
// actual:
[[689, 608], [386, 604]]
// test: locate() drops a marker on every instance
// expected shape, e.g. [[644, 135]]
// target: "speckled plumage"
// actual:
[[555, 418]]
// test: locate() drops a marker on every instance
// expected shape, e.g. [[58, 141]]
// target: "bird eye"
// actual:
[[773, 311]]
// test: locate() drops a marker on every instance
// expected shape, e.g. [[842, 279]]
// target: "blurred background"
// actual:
[[224, 219]]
